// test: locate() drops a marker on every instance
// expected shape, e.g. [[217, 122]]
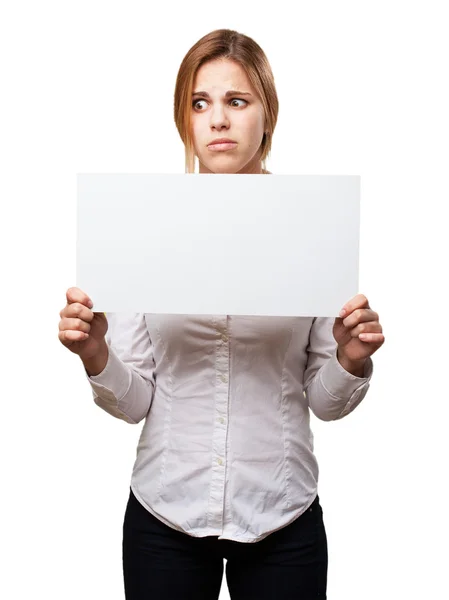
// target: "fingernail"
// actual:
[[342, 312], [90, 304]]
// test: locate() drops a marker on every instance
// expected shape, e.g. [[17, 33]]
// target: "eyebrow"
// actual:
[[228, 93]]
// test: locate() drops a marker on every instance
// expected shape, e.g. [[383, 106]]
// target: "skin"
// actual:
[[358, 332], [239, 117]]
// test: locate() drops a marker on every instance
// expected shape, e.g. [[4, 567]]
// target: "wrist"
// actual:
[[354, 367], [97, 363]]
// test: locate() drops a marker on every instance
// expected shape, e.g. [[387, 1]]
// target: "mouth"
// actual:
[[222, 146]]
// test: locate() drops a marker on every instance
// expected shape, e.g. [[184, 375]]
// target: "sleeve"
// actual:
[[331, 392], [125, 387]]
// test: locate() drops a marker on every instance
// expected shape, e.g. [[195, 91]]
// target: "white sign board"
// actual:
[[279, 245]]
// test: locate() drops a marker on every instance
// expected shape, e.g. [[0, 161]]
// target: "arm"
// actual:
[[122, 374], [331, 391]]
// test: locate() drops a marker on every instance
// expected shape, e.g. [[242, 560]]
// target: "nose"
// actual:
[[219, 118]]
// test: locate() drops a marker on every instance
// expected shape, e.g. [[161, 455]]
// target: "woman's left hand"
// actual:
[[357, 332]]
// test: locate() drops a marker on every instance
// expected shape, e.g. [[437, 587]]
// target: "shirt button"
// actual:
[[222, 420], [223, 378], [224, 337], [220, 462]]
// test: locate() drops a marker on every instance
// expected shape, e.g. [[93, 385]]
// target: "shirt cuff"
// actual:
[[340, 383], [115, 378]]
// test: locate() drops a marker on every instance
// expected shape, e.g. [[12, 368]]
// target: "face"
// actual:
[[238, 116]]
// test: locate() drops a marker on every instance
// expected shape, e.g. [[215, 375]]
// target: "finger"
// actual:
[[77, 310], [360, 315], [368, 327], [74, 294], [74, 325], [70, 336], [375, 338], [359, 301]]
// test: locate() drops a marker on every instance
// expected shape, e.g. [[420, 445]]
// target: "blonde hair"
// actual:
[[225, 44]]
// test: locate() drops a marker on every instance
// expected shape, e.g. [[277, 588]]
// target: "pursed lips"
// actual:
[[220, 145]]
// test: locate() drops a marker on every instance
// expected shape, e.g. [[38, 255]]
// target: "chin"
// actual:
[[225, 170], [224, 166]]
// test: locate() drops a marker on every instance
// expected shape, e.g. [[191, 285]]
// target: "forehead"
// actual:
[[222, 75]]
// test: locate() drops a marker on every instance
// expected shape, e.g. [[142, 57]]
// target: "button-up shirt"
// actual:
[[226, 447]]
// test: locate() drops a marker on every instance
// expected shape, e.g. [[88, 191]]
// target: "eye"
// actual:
[[239, 100], [196, 102]]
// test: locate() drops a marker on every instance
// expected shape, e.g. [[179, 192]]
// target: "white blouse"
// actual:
[[226, 448]]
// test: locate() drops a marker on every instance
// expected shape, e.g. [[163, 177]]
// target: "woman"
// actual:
[[225, 465]]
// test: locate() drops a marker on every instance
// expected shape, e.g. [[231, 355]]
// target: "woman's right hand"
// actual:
[[81, 330]]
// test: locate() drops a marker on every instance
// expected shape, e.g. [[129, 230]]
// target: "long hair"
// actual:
[[229, 44]]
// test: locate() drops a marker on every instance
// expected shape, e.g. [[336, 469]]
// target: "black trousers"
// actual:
[[161, 563]]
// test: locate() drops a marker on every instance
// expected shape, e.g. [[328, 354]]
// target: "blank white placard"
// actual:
[[275, 245]]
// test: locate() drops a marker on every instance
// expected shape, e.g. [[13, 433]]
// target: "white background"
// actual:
[[88, 87]]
